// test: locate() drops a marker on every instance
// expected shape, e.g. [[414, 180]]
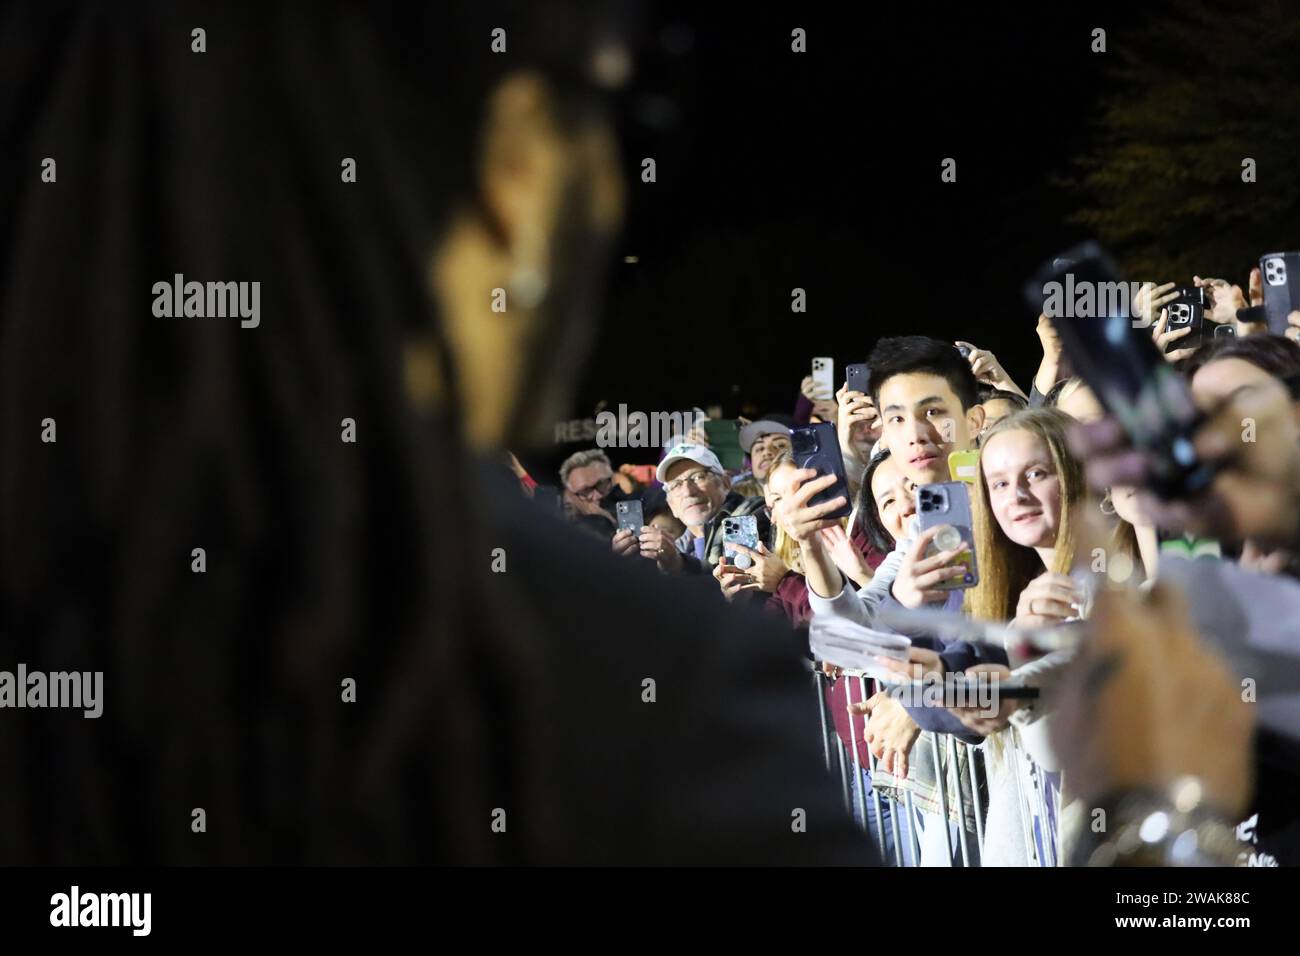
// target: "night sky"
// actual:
[[822, 170]]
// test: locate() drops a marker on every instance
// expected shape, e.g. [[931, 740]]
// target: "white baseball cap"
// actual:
[[687, 451]]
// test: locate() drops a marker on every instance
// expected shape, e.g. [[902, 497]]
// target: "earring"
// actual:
[[527, 286], [1107, 506], [528, 280]]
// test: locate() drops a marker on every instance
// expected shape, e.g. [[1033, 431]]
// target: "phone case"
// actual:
[[857, 378], [1121, 363], [823, 373], [963, 465], [739, 530], [815, 446], [630, 517], [949, 503], [1187, 311], [1280, 272]]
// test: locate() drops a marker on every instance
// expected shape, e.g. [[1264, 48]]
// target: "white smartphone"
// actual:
[[823, 373]]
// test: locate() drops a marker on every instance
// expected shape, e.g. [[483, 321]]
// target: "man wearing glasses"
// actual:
[[699, 495], [588, 479]]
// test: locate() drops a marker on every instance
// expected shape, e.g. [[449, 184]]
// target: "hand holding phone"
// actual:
[[1280, 275], [945, 507], [921, 571], [742, 530], [630, 516], [823, 375], [1090, 309], [816, 447], [857, 378]]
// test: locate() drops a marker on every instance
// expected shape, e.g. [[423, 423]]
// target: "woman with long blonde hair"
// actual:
[[1026, 486]]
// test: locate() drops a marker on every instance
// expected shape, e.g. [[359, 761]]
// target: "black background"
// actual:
[[822, 170]]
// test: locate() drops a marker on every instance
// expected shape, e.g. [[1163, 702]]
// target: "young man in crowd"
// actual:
[[764, 440], [929, 407]]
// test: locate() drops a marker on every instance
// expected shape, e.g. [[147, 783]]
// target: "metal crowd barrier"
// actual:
[[1039, 797]]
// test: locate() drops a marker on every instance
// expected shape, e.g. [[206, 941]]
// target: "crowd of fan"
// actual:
[[1038, 512]]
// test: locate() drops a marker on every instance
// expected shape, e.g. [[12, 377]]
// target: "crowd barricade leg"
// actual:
[[819, 681], [972, 755], [941, 785], [912, 829], [961, 803], [858, 787], [1026, 810]]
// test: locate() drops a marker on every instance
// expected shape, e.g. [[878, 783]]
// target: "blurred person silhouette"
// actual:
[[327, 560]]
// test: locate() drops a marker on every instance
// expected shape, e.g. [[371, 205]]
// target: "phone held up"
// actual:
[[857, 378], [742, 529], [1187, 312], [947, 505], [1280, 272], [815, 446], [630, 516], [823, 375], [1116, 356]]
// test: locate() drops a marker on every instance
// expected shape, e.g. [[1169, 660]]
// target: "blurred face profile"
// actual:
[[1081, 404], [694, 492], [765, 450], [923, 423], [996, 409], [778, 487], [665, 522], [1216, 381], [895, 498], [1024, 488]]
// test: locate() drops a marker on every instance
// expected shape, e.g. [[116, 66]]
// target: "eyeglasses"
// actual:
[[599, 490], [696, 478]]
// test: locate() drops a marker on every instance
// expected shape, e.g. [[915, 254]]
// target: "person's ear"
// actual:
[[974, 420]]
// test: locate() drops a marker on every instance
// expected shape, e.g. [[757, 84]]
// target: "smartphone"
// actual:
[[823, 373], [815, 446], [724, 441], [1150, 399], [630, 516], [857, 378], [964, 465], [948, 504], [1280, 272], [739, 530], [1187, 312]]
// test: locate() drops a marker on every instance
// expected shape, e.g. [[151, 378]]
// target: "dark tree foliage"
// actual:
[[1199, 87]]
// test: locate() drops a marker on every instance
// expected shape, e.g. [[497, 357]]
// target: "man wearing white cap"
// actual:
[[698, 494]]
